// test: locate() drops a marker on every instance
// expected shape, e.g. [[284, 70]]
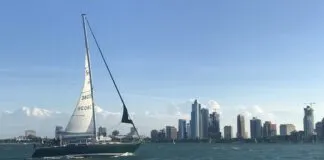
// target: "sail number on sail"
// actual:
[[84, 107], [85, 97]]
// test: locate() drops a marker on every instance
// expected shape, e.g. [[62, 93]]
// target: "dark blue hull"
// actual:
[[86, 150]]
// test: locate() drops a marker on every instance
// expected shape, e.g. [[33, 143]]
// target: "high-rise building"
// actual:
[[162, 135], [154, 135], [214, 127], [182, 129], [171, 132], [228, 132], [322, 133], [240, 127], [195, 120], [102, 131], [30, 133], [204, 123], [273, 130], [308, 121], [286, 129], [267, 129], [188, 130], [131, 133], [255, 128], [319, 129], [58, 131]]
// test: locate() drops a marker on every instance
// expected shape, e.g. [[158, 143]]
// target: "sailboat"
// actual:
[[79, 137]]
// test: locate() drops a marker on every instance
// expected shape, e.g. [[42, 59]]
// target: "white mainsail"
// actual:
[[81, 120]]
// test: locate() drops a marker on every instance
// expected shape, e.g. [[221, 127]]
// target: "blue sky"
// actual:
[[164, 52]]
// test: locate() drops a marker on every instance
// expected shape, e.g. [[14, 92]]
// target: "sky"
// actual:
[[260, 58]]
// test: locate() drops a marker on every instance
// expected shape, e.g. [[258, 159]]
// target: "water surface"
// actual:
[[198, 151]]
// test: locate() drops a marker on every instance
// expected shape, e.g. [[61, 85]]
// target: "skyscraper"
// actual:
[[267, 129], [228, 132], [319, 129], [214, 127], [204, 123], [240, 127], [273, 130], [171, 132], [188, 129], [58, 131], [182, 129], [308, 121], [255, 128], [154, 135], [102, 131], [286, 129], [195, 120]]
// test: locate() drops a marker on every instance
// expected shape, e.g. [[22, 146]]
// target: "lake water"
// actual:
[[198, 151]]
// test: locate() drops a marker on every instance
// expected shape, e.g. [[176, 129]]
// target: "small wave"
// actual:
[[127, 154], [52, 158], [235, 148], [74, 157]]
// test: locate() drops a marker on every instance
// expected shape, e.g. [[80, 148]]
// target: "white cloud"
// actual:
[[44, 120], [257, 109], [213, 105]]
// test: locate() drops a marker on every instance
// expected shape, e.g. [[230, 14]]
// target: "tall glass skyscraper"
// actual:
[[182, 129], [204, 123], [255, 128], [195, 120], [214, 127], [240, 127], [308, 121]]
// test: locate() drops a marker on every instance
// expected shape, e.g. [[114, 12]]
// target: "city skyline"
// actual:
[[262, 60], [257, 130]]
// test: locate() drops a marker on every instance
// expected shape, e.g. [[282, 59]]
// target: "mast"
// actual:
[[91, 88]]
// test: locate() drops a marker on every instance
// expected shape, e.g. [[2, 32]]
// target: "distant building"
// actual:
[[154, 135], [58, 131], [188, 129], [182, 129], [267, 129], [131, 132], [240, 127], [322, 133], [30, 133], [255, 128], [204, 114], [162, 135], [286, 129], [102, 131], [308, 121], [319, 129], [171, 132], [195, 120], [228, 132], [273, 130], [214, 127]]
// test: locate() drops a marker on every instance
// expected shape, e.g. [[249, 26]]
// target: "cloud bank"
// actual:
[[13, 123]]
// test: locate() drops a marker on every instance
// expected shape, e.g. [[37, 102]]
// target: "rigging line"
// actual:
[[106, 64]]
